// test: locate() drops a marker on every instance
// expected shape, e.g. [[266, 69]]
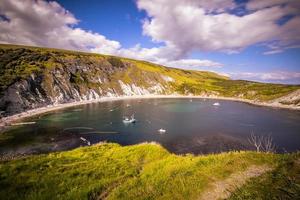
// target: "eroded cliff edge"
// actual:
[[36, 77]]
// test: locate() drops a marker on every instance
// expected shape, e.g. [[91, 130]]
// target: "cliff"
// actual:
[[34, 77]]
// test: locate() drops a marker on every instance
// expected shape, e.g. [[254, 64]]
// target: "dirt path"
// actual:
[[222, 189]]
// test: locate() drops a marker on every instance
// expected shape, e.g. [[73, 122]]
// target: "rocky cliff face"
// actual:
[[36, 77], [60, 79]]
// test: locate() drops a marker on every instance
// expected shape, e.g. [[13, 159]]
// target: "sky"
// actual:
[[253, 40]]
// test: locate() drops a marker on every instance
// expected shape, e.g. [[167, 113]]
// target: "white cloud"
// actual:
[[47, 24], [42, 23], [164, 55], [208, 26], [275, 76], [193, 63]]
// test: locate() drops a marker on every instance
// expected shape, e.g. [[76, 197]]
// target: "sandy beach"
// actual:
[[7, 121]]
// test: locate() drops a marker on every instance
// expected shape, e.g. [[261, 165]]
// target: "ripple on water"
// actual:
[[192, 127]]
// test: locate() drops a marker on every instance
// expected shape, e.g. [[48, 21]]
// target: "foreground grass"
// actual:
[[281, 183], [144, 171]]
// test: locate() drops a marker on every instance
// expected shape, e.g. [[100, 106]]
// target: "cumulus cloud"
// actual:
[[47, 24], [193, 63], [275, 76], [165, 55], [43, 23], [212, 25]]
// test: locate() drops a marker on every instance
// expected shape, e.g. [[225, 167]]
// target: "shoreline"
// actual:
[[7, 121]]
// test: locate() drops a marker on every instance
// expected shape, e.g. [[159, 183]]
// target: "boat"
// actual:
[[161, 130], [127, 105], [216, 104], [128, 120], [191, 100]]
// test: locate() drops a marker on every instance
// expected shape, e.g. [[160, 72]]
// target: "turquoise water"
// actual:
[[191, 126]]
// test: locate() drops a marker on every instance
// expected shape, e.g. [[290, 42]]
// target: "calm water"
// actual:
[[191, 126]]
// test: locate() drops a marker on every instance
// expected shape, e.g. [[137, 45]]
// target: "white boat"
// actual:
[[216, 104], [161, 130], [127, 105], [191, 100], [128, 120]]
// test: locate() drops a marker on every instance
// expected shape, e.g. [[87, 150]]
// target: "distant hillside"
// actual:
[[33, 77]]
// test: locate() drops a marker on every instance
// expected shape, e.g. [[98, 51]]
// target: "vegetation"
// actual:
[[281, 183], [20, 62], [144, 171]]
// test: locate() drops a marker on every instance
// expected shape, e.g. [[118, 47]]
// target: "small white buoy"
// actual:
[[216, 104], [161, 130], [129, 120]]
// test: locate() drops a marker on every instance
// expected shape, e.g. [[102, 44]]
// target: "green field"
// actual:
[[144, 171]]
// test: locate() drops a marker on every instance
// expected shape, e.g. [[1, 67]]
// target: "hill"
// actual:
[[147, 171], [33, 77]]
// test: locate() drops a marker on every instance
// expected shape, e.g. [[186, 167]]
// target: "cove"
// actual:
[[192, 126]]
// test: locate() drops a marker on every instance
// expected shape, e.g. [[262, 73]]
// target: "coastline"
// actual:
[[7, 121]]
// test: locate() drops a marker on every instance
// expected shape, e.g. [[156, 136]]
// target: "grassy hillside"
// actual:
[[19, 62], [144, 171]]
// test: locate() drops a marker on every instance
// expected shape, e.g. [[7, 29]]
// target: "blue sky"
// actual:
[[255, 40], [116, 19]]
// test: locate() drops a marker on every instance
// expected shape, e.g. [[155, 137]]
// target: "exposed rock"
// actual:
[[76, 79], [292, 98]]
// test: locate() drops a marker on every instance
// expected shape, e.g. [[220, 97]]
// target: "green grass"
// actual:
[[144, 171], [281, 183]]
